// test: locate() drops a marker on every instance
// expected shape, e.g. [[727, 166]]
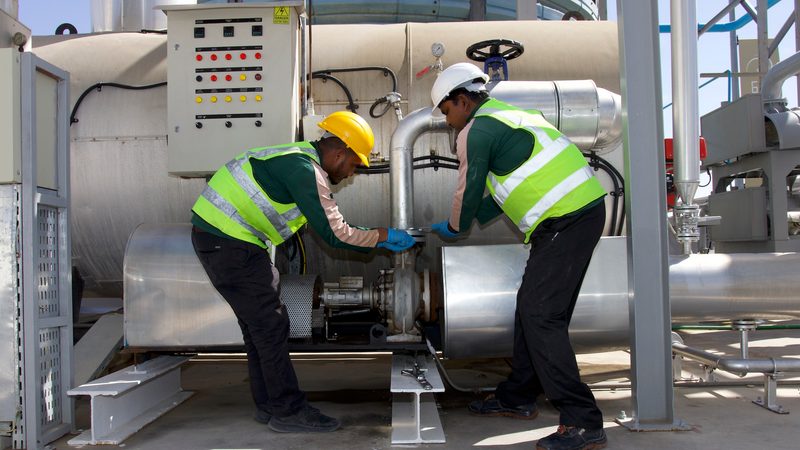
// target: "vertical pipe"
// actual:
[[400, 169], [477, 10], [796, 13], [744, 343], [527, 9], [645, 203], [602, 9], [763, 39], [305, 60], [685, 116], [734, 47]]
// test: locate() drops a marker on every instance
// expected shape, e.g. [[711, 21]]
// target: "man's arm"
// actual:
[[297, 179], [473, 148]]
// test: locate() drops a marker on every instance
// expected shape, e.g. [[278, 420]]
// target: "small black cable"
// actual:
[[386, 72], [383, 112], [99, 87], [351, 105], [708, 172]]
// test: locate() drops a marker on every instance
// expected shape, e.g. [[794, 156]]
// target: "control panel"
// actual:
[[232, 81]]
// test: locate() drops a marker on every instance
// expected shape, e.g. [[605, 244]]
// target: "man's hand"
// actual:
[[397, 240], [443, 229]]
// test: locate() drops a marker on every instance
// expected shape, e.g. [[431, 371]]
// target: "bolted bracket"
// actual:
[[770, 394]]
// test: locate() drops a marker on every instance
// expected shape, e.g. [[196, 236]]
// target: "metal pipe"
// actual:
[[744, 343], [780, 35], [733, 46], [401, 167], [749, 9], [305, 63], [719, 16], [773, 80], [733, 25], [685, 116], [401, 182], [796, 14], [738, 366]]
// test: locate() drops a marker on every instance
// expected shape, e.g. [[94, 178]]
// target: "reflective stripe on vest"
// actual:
[[234, 202], [567, 185]]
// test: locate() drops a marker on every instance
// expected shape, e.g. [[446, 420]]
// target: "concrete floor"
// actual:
[[355, 388]]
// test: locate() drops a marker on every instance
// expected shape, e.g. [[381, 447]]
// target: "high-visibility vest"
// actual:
[[235, 203], [554, 181]]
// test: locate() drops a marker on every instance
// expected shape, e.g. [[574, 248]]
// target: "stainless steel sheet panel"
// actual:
[[9, 292], [170, 302], [168, 299]]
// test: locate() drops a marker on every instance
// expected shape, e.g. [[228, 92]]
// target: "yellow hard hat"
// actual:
[[353, 130]]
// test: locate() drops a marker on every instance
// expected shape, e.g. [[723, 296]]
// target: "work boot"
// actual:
[[307, 419], [491, 406], [573, 438], [262, 416]]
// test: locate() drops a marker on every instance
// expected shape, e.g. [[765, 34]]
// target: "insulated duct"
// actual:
[[773, 81], [481, 284]]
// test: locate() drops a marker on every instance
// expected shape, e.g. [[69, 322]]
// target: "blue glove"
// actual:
[[443, 229], [397, 240]]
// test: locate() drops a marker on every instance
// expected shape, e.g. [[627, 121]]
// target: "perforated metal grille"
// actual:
[[297, 293], [50, 375], [47, 250]]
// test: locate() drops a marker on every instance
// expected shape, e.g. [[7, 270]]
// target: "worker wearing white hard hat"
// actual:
[[540, 181], [257, 201]]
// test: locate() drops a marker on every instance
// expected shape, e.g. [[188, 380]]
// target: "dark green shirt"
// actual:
[[485, 145], [295, 178]]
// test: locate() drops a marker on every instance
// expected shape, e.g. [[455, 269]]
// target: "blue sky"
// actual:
[[44, 16]]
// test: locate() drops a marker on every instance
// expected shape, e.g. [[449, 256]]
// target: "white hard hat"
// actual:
[[454, 77]]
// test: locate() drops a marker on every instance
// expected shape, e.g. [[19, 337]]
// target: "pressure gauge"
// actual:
[[437, 49]]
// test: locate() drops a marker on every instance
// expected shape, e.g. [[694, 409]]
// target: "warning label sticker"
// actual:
[[280, 15]]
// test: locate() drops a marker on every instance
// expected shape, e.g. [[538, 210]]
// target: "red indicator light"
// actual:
[[228, 78], [213, 56], [228, 56], [198, 57], [258, 55], [258, 77], [243, 55], [213, 78]]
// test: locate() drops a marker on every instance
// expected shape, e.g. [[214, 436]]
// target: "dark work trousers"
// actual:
[[543, 360], [244, 275]]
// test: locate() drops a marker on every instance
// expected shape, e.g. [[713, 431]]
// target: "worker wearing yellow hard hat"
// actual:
[[353, 131], [257, 201]]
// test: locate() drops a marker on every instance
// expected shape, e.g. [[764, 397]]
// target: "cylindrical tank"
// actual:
[[130, 15], [481, 286], [119, 146]]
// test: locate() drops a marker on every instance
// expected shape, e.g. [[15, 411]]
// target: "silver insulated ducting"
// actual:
[[481, 284]]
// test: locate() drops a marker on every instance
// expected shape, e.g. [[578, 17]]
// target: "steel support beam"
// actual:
[[763, 40], [645, 204]]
